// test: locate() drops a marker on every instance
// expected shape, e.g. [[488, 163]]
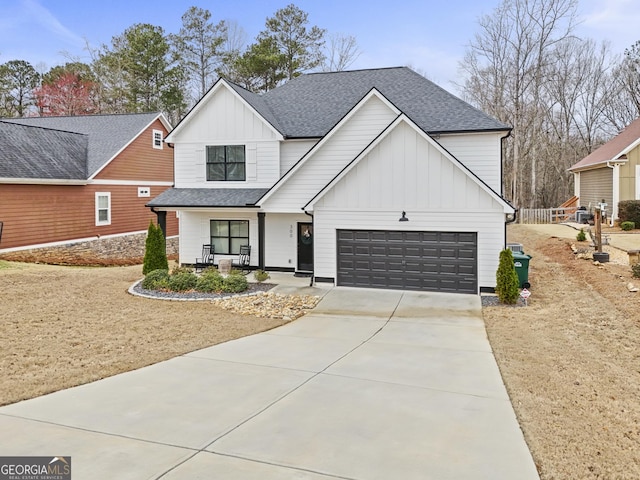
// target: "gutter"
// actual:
[[314, 246]]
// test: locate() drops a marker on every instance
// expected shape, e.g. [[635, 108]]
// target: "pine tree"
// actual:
[[507, 282], [155, 254]]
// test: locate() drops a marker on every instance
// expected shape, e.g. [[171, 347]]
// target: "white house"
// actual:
[[369, 178]]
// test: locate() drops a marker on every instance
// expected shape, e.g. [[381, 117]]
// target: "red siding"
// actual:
[[140, 161], [36, 214]]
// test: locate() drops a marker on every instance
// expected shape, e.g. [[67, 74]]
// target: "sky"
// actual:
[[431, 36]]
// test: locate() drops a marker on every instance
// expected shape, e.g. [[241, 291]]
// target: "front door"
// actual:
[[305, 247]]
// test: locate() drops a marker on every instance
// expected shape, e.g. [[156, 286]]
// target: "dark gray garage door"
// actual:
[[432, 261]]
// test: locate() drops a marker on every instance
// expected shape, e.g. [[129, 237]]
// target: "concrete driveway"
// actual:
[[373, 384]]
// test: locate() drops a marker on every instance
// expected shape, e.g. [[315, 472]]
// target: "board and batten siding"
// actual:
[[40, 214], [340, 148], [479, 152], [224, 119], [281, 237], [407, 172], [628, 176], [291, 151], [595, 185]]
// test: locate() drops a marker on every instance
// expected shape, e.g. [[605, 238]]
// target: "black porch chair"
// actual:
[[243, 259], [207, 258]]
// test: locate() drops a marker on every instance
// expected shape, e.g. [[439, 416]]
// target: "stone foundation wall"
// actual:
[[124, 250]]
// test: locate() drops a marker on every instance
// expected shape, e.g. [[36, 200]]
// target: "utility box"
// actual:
[[521, 264], [515, 247]]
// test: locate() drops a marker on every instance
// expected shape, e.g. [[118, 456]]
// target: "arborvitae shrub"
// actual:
[[155, 254], [507, 283]]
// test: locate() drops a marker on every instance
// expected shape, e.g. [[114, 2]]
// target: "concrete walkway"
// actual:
[[373, 384]]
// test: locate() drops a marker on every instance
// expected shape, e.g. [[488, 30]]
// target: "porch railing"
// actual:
[[546, 215]]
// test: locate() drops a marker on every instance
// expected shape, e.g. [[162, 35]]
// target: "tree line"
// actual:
[[146, 69], [563, 95]]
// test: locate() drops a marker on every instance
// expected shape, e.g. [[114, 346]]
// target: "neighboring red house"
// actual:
[[66, 179]]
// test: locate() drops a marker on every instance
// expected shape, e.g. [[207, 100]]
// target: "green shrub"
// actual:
[[507, 283], [629, 211], [261, 276], [635, 270], [626, 226], [183, 281], [180, 269], [155, 251], [581, 237], [210, 281], [235, 284], [156, 280]]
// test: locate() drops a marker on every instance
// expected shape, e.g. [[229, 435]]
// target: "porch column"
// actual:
[[261, 237]]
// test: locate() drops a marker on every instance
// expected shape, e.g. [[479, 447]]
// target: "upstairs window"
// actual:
[[157, 139], [226, 163]]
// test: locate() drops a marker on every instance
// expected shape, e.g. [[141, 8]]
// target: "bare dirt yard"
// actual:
[[571, 362], [65, 326]]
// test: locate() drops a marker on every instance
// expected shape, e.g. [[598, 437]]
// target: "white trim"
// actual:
[[637, 182], [160, 117], [155, 132], [100, 223], [403, 118], [615, 193], [373, 92], [131, 182], [42, 181], [212, 91]]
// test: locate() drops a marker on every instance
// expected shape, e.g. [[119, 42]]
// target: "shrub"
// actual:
[[155, 251], [210, 281], [183, 281], [156, 280], [507, 283], [260, 276], [235, 284], [626, 226], [635, 270], [180, 269], [629, 211], [581, 237]]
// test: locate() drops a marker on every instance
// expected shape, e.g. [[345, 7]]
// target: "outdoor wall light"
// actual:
[[403, 218]]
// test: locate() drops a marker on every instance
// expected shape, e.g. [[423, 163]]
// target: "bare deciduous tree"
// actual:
[[342, 51]]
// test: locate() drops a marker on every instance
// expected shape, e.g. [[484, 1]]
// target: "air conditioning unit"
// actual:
[[582, 216], [515, 247]]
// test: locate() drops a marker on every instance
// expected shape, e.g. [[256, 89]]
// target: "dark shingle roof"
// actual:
[[208, 197], [107, 134], [40, 153], [310, 105]]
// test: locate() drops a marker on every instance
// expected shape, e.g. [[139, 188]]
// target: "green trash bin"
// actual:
[[521, 263]]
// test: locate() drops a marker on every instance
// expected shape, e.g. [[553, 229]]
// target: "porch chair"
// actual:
[[207, 258], [243, 259]]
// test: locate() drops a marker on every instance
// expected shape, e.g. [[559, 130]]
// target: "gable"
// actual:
[[222, 116], [406, 170]]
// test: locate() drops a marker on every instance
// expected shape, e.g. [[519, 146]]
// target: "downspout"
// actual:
[[162, 221], [615, 191], [313, 226]]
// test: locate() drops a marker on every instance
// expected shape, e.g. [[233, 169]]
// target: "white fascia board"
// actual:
[[400, 119], [373, 92]]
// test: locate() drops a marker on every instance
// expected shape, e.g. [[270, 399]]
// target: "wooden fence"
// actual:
[[546, 215]]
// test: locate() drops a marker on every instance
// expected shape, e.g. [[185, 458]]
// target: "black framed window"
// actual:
[[225, 163], [228, 235]]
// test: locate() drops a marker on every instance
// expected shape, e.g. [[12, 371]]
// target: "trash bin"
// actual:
[[521, 262]]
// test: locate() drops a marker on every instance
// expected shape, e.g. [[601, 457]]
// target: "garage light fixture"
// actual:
[[403, 218]]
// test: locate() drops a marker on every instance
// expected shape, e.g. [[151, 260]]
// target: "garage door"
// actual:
[[431, 261]]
